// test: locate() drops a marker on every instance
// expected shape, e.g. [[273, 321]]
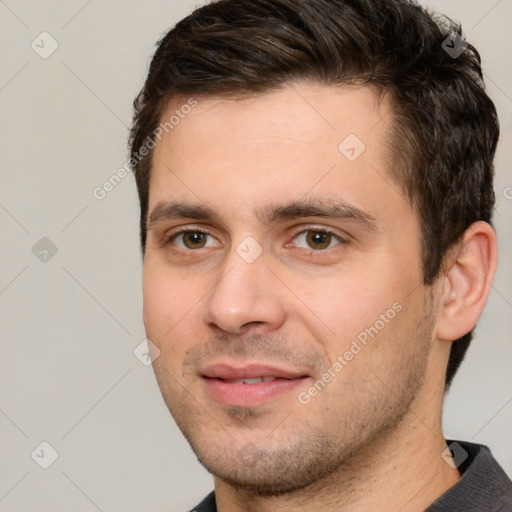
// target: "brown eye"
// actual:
[[194, 239], [186, 240], [316, 239]]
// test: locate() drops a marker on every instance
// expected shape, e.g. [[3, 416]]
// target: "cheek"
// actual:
[[346, 306], [358, 315], [155, 303], [171, 311], [165, 301]]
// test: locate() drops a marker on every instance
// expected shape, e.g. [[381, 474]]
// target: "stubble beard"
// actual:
[[307, 455]]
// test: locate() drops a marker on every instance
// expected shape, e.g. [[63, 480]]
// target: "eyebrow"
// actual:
[[333, 209]]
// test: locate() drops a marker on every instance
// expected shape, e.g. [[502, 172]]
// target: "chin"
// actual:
[[266, 474]]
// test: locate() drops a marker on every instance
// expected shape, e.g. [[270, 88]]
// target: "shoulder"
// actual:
[[483, 486], [207, 505]]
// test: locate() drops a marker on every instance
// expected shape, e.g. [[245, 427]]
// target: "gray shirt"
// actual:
[[483, 487]]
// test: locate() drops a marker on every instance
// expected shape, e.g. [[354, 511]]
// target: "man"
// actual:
[[315, 180]]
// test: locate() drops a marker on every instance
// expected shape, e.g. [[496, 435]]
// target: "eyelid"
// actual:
[[322, 229], [169, 235], [180, 230]]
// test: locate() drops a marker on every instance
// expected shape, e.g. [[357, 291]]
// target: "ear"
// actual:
[[467, 280]]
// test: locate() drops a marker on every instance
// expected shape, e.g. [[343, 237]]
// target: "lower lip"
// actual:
[[250, 395]]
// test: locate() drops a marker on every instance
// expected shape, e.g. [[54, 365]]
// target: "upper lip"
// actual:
[[250, 371]]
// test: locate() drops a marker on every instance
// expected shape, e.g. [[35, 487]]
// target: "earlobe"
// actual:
[[467, 281]]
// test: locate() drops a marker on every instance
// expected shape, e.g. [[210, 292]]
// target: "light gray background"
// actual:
[[69, 326]]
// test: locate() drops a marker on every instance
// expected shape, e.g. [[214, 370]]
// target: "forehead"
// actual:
[[304, 112], [302, 140]]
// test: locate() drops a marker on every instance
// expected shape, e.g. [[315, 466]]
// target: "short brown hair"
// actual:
[[445, 126]]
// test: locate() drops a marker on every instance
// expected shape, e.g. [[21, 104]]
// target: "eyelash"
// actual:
[[169, 238]]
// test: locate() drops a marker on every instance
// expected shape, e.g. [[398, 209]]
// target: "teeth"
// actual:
[[254, 380]]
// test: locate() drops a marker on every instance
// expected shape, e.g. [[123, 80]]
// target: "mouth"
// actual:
[[250, 385]]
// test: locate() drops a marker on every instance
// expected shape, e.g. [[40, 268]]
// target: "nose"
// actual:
[[246, 294]]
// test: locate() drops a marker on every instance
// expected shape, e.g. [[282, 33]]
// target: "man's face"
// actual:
[[267, 279]]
